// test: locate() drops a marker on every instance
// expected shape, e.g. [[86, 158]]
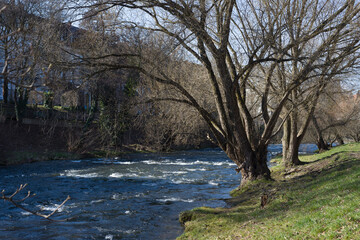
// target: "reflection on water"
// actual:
[[137, 197]]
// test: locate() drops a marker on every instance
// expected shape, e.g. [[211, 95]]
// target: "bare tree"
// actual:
[[235, 41], [334, 113], [315, 56], [169, 124], [21, 42], [350, 106]]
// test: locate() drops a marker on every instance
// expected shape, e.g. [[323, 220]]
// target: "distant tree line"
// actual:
[[43, 55]]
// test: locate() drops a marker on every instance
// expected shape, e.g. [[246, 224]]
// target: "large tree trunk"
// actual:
[[291, 155], [6, 79], [321, 144], [17, 107], [251, 164], [294, 138], [291, 142], [20, 99], [5, 89], [339, 139]]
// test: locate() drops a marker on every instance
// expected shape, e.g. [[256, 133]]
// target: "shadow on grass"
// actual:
[[312, 190]]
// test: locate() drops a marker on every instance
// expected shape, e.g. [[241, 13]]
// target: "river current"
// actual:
[[137, 196]]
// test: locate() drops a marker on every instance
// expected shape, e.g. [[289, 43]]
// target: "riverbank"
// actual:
[[318, 200], [30, 156], [28, 143], [20, 156]]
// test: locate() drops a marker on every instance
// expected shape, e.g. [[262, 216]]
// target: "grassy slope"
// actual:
[[318, 200]]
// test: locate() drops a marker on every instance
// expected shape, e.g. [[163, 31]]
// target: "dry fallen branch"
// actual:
[[18, 205]]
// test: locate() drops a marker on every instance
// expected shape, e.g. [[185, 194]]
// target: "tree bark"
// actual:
[[20, 100], [291, 150], [339, 139], [291, 142], [251, 164], [291, 155], [5, 76], [17, 107], [321, 144], [5, 89]]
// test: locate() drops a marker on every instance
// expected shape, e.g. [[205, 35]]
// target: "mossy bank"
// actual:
[[318, 200]]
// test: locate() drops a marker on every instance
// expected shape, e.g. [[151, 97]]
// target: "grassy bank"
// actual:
[[318, 200]]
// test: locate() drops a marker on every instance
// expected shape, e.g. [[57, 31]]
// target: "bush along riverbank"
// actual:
[[317, 200], [28, 143], [29, 156], [36, 155]]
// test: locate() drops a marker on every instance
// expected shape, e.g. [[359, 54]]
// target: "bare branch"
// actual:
[[16, 203]]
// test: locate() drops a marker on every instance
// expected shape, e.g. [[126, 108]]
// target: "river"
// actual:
[[137, 196]]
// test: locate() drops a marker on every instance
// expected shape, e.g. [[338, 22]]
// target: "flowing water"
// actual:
[[138, 196]]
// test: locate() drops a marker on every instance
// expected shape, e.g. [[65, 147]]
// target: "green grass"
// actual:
[[352, 147], [320, 200]]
